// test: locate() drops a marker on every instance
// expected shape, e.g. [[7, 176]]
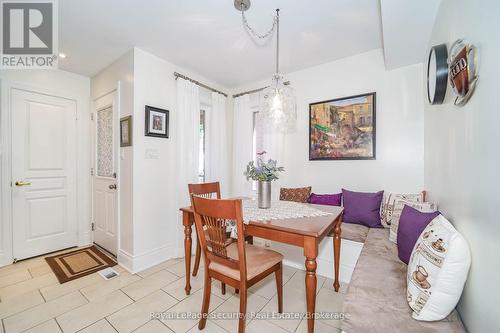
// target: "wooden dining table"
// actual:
[[304, 232]]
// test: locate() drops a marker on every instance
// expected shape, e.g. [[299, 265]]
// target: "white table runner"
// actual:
[[278, 210]]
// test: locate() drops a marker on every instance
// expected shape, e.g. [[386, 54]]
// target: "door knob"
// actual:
[[21, 183], [112, 187]]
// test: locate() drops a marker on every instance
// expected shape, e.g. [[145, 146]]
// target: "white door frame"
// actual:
[[93, 153], [6, 242]]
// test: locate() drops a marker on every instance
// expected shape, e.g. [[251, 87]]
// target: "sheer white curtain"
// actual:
[[242, 144], [188, 136], [217, 164]]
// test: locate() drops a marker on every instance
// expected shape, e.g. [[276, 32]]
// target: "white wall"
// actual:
[[399, 163], [462, 159], [59, 83], [399, 119], [158, 231], [121, 73]]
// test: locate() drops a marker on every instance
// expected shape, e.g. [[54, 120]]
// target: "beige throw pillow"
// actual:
[[424, 207], [389, 208]]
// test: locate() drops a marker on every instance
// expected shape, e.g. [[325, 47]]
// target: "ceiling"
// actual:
[[407, 27], [207, 36]]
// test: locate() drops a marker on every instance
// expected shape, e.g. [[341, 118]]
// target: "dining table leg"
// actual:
[[186, 221], [336, 252], [310, 252]]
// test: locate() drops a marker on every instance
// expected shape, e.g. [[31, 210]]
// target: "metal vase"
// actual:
[[264, 195]]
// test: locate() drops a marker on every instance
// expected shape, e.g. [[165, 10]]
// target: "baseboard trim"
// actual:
[[140, 262]]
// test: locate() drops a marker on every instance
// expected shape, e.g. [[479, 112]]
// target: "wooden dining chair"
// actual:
[[206, 190], [230, 261]]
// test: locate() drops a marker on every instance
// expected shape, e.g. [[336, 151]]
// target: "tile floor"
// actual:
[[32, 300]]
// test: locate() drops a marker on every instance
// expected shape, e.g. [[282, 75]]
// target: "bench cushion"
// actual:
[[376, 297], [354, 232]]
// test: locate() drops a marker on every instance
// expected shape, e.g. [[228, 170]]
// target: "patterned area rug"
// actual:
[[76, 264]]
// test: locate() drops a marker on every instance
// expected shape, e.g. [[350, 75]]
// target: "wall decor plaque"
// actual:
[[463, 70]]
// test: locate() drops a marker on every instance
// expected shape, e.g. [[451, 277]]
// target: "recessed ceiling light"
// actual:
[[62, 55]]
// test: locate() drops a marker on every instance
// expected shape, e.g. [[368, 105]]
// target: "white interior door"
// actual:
[[105, 187], [43, 173]]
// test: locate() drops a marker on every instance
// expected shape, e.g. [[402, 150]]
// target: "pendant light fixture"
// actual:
[[278, 107]]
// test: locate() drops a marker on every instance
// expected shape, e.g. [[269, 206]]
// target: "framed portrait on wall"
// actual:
[[126, 131], [156, 122], [343, 128]]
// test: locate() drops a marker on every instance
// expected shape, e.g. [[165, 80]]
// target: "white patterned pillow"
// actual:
[[424, 207], [388, 206], [437, 271]]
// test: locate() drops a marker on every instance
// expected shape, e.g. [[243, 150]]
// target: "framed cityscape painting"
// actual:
[[343, 128]]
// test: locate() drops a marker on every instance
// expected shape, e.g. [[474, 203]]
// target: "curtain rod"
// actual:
[[177, 75], [286, 83]]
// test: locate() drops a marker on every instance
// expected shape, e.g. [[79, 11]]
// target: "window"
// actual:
[[201, 155]]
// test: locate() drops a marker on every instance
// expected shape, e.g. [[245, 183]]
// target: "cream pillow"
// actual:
[[437, 271], [424, 207], [389, 209]]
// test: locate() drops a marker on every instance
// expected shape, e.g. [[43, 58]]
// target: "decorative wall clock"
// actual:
[[463, 70], [437, 74]]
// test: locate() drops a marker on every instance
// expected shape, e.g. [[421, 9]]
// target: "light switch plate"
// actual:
[[152, 154]]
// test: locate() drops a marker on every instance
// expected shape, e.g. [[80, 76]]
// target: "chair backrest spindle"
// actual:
[[213, 214]]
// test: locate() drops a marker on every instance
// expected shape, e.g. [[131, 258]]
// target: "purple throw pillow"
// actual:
[[411, 224], [362, 208], [326, 199]]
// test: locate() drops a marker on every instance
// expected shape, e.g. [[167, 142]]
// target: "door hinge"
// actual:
[[91, 171], [91, 115], [92, 226]]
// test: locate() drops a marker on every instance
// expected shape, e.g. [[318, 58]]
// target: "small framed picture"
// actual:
[[156, 122], [126, 131]]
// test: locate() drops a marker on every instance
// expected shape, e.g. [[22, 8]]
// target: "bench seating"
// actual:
[[375, 300]]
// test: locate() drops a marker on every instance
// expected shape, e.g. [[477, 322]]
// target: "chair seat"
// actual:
[[258, 260]]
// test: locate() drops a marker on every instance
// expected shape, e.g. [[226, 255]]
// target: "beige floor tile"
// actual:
[[20, 303], [26, 286], [47, 327], [261, 326], [21, 265], [329, 301], [267, 287], [40, 270], [177, 290], [294, 303], [58, 290], [149, 284], [217, 291], [102, 326], [158, 267], [153, 326], [179, 268], [84, 316], [14, 277], [97, 290], [190, 305], [319, 327], [329, 284], [231, 307], [43, 312], [139, 313], [210, 327]]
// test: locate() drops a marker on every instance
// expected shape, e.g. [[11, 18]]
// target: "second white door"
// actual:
[[105, 217]]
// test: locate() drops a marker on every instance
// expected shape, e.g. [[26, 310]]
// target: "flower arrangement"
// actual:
[[263, 171]]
